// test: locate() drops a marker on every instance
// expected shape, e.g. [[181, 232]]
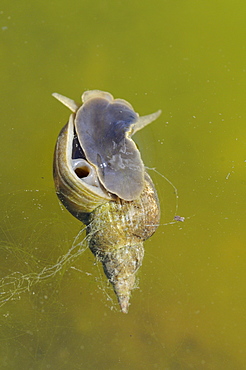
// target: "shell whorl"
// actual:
[[117, 230]]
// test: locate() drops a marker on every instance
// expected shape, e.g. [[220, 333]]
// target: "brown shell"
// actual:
[[117, 230], [116, 227]]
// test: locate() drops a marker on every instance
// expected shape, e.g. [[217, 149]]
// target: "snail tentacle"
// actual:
[[66, 101], [145, 120]]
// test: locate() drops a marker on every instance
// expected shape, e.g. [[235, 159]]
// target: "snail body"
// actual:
[[100, 178]]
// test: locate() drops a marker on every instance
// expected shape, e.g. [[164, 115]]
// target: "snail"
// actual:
[[101, 180]]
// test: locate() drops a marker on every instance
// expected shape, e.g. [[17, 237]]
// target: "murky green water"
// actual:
[[188, 59]]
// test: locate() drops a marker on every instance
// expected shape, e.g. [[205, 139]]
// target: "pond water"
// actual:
[[189, 309]]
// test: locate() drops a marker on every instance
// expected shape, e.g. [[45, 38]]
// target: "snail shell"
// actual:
[[100, 178]]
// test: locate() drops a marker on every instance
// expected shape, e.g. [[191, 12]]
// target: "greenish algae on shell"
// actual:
[[101, 180]]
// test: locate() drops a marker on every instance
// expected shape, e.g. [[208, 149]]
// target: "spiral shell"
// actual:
[[100, 178]]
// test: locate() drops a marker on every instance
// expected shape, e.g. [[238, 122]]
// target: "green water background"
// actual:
[[187, 58]]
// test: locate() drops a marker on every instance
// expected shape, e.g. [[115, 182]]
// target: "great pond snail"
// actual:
[[101, 179]]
